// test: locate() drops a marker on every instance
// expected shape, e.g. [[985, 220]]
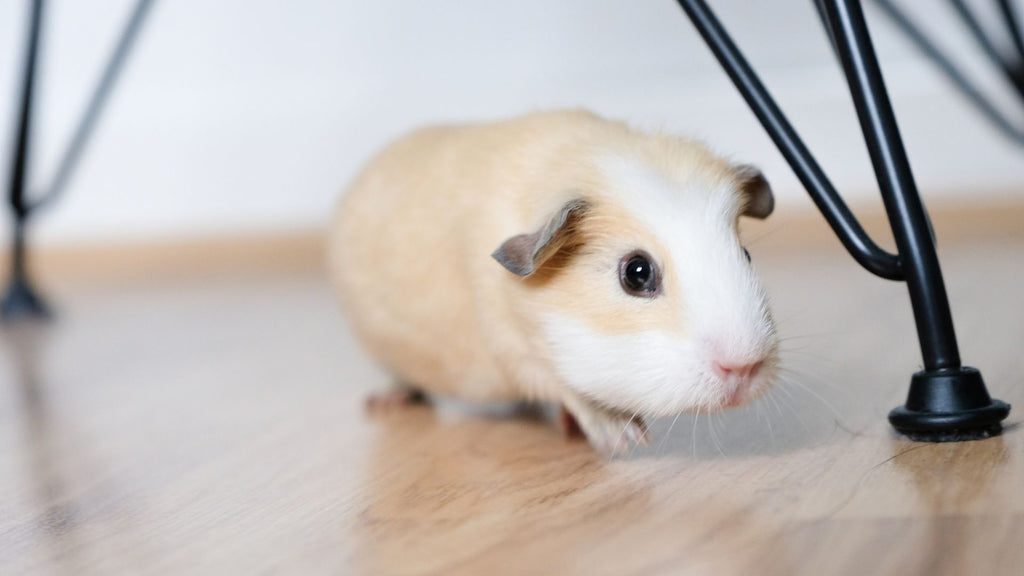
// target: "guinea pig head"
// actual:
[[646, 299]]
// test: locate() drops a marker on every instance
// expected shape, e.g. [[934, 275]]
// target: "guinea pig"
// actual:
[[559, 257]]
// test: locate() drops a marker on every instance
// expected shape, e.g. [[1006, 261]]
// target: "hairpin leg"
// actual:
[[947, 401], [20, 299]]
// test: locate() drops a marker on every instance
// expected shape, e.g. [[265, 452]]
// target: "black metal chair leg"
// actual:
[[974, 95], [1010, 68], [1012, 22], [947, 401], [20, 299]]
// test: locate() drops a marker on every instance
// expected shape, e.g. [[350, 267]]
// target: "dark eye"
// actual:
[[747, 254], [639, 276]]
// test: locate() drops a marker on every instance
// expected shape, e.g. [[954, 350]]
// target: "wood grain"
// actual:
[[208, 418]]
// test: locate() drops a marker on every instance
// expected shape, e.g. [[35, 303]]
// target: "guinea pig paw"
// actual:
[[615, 434], [635, 432], [569, 425], [394, 399]]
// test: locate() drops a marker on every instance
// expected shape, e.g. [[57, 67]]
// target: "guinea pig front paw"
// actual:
[[568, 424], [393, 399], [609, 432]]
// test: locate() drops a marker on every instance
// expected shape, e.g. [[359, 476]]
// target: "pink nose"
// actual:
[[736, 379], [729, 371]]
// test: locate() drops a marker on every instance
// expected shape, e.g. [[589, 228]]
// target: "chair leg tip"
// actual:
[[20, 302], [963, 435]]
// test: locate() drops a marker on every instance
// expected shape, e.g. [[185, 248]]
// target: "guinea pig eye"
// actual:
[[639, 276]]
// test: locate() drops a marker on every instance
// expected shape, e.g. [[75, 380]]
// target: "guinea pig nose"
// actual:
[[728, 370]]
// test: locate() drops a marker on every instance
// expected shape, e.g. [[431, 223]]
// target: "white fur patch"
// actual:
[[651, 373], [724, 305]]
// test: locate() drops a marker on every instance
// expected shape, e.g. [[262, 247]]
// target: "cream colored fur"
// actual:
[[410, 255]]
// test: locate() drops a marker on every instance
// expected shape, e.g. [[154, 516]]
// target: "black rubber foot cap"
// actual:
[[949, 406], [20, 302]]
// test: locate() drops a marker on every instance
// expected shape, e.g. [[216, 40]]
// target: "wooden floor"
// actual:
[[189, 417]]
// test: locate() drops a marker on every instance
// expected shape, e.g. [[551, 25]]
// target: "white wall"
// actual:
[[237, 116]]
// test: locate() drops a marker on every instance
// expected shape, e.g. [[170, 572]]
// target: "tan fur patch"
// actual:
[[582, 280]]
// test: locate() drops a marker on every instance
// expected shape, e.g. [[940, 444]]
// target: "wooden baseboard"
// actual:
[[952, 221], [304, 249], [301, 250]]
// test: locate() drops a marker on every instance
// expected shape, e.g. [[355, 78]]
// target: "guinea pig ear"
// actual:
[[755, 189], [524, 253]]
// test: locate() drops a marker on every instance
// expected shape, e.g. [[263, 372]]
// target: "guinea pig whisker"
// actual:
[[668, 433], [806, 348], [693, 433], [761, 236], [799, 345], [775, 403], [762, 412], [782, 321], [805, 352], [818, 333], [794, 336], [795, 375], [714, 436], [789, 382], [792, 407], [622, 433], [804, 341]]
